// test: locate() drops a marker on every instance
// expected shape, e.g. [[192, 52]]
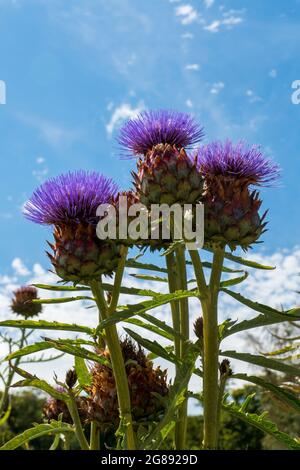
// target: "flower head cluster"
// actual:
[[22, 304], [239, 161], [70, 198], [150, 128]]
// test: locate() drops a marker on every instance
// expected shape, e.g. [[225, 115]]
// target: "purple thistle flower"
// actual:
[[159, 127], [237, 160], [70, 198]]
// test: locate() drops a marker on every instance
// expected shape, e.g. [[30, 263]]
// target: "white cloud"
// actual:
[[209, 3], [53, 133], [193, 67], [213, 27], [187, 13], [19, 267], [217, 87], [187, 36], [232, 20], [122, 112], [228, 21], [273, 73], [253, 97], [189, 103]]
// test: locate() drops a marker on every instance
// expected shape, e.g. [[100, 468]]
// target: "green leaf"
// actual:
[[128, 311], [32, 348], [284, 395], [173, 247], [131, 290], [43, 345], [6, 415], [47, 325], [34, 381], [132, 263], [149, 327], [292, 314], [281, 351], [66, 347], [225, 269], [262, 361], [61, 288], [83, 374], [161, 324], [243, 261], [54, 427], [151, 346], [146, 277], [61, 300], [263, 424], [234, 281]]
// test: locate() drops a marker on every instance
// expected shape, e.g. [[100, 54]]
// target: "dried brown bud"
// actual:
[[145, 382], [225, 368], [198, 328], [22, 302], [71, 378]]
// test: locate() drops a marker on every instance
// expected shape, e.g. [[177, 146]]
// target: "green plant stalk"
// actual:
[[181, 426], [72, 407], [173, 287], [11, 373], [211, 354], [223, 380], [115, 350], [94, 436]]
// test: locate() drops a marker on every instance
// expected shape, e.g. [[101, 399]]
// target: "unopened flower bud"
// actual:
[[225, 368], [198, 328], [71, 378]]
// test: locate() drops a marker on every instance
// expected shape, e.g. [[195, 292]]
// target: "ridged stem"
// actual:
[[11, 373], [180, 438], [72, 407], [115, 351], [211, 354], [173, 287], [94, 436]]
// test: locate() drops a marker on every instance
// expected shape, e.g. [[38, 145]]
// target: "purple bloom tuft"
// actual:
[[238, 160], [70, 198], [159, 127]]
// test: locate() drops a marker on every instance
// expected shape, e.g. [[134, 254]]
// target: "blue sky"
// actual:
[[74, 70]]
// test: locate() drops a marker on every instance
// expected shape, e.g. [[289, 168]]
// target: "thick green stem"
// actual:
[[77, 423], [173, 287], [181, 426], [115, 351], [5, 396], [94, 437], [211, 354]]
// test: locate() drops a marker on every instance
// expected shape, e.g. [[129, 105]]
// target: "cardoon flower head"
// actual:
[[165, 174], [70, 198], [239, 161], [151, 128], [231, 210], [22, 302], [70, 202]]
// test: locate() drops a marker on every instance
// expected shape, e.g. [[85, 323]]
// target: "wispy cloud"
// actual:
[[19, 267], [120, 113], [209, 3], [193, 67], [187, 14], [54, 133], [217, 87]]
